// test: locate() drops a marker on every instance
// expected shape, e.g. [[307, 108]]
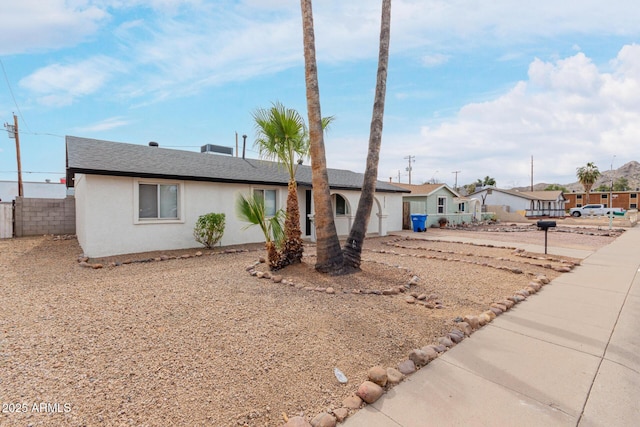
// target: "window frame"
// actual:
[[275, 199], [346, 212], [179, 219], [443, 205]]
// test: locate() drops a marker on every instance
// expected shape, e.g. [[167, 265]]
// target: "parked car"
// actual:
[[594, 209]]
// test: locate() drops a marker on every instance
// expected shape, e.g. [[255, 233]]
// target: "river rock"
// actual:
[[323, 420], [378, 375], [369, 391]]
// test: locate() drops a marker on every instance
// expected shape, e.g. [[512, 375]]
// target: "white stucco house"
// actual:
[[525, 203], [136, 198]]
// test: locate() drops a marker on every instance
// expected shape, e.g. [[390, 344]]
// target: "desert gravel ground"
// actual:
[[199, 341]]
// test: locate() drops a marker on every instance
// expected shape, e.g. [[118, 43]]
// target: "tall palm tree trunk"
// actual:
[[329, 253], [353, 246]]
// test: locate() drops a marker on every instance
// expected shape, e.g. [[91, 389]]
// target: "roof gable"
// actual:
[[98, 157], [426, 189]]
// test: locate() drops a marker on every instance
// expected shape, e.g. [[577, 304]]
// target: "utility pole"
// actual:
[[13, 133], [410, 158], [531, 173], [455, 186]]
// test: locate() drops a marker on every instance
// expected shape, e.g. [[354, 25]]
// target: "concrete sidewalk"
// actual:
[[568, 356]]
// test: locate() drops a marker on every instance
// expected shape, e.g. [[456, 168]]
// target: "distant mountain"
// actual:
[[630, 170]]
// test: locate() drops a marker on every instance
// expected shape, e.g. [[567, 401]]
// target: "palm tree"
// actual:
[[281, 135], [587, 176], [329, 254], [353, 246], [251, 209], [486, 181]]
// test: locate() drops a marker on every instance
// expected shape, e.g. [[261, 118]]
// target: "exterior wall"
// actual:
[[386, 213], [108, 225], [431, 203], [35, 217], [621, 199], [33, 190], [497, 198]]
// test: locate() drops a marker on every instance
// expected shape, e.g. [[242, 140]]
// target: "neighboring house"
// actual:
[[524, 203], [135, 198], [32, 190], [437, 201]]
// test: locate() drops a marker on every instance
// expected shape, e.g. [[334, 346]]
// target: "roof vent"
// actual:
[[153, 144], [216, 149]]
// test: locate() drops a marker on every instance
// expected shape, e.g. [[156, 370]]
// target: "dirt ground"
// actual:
[[199, 341]]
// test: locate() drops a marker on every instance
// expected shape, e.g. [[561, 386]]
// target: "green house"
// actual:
[[438, 201]]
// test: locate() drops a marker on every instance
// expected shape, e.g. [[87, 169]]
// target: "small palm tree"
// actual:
[[587, 176], [282, 136], [251, 209]]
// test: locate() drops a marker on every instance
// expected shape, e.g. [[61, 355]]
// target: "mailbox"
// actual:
[[545, 225]]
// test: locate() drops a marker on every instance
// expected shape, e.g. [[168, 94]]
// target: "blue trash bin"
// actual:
[[419, 222]]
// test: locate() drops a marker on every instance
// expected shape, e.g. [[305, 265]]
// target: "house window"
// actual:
[[579, 196], [579, 205], [460, 207], [269, 198], [442, 205], [342, 208], [633, 206], [605, 196], [158, 201], [634, 195]]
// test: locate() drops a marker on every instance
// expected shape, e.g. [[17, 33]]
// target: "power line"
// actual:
[[6, 78]]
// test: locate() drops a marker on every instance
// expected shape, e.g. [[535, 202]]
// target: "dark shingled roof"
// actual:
[[92, 156]]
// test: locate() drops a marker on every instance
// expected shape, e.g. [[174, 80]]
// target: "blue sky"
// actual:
[[476, 87]]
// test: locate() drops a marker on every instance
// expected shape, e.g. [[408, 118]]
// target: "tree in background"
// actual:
[[587, 176], [621, 184], [486, 181], [556, 187]]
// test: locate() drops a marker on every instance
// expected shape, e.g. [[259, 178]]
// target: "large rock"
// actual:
[[378, 375], [394, 376], [369, 391], [297, 422], [407, 367], [341, 414], [323, 420], [430, 352], [352, 402], [419, 357], [465, 328], [472, 321]]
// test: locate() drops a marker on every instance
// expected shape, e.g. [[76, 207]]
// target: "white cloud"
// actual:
[[434, 60], [29, 25], [567, 113], [58, 85], [105, 125]]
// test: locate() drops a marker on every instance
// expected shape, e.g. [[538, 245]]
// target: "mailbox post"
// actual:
[[545, 225]]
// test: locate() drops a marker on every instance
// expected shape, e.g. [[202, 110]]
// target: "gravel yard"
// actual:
[[199, 341]]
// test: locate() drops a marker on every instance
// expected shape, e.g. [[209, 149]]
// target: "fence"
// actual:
[[35, 217], [6, 220]]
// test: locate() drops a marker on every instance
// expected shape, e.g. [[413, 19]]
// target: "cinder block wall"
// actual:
[[35, 217]]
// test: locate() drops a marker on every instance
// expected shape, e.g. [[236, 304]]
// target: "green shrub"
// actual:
[[209, 229]]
